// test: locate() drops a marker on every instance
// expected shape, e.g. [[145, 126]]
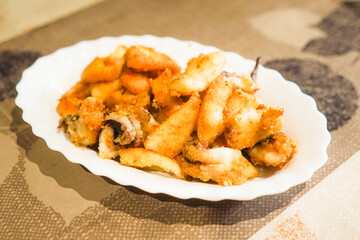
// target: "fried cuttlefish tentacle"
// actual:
[[119, 129], [275, 151], [199, 74], [84, 127], [248, 121], [144, 158], [244, 82], [223, 165], [253, 74]]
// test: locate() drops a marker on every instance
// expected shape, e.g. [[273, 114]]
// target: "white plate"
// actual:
[[50, 76]]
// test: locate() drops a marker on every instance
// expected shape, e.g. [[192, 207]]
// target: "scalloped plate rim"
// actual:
[[166, 185]]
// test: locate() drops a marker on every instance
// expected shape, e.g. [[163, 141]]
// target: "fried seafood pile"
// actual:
[[135, 105]]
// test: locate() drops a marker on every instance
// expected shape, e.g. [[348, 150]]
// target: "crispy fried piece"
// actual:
[[69, 102], [170, 136], [275, 151], [135, 82], [244, 82], [68, 106], [231, 167], [144, 158], [107, 148], [249, 122], [79, 90], [210, 123], [199, 73], [91, 112], [123, 129], [196, 152], [127, 129], [127, 101], [104, 69], [160, 88], [147, 59], [84, 127], [103, 90], [119, 52], [120, 129]]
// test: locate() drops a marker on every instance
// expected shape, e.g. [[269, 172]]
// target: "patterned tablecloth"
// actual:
[[313, 43]]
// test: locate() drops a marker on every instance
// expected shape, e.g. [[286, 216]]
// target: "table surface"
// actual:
[[313, 43]]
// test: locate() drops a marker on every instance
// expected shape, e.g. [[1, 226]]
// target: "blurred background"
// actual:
[[18, 17]]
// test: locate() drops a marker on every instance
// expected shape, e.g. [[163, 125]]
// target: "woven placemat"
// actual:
[[42, 195]]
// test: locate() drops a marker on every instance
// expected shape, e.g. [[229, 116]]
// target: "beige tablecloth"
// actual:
[[313, 43]]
